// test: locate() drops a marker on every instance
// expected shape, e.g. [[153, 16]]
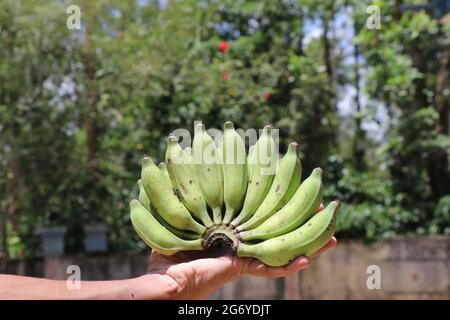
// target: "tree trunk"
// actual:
[[438, 163], [420, 63], [358, 149], [92, 94], [329, 60], [3, 235], [10, 205], [443, 104], [12, 185], [397, 13], [328, 54]]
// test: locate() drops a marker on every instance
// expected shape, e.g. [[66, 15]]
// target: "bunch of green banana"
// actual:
[[255, 203]]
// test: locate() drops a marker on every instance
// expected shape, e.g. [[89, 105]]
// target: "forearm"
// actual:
[[146, 287]]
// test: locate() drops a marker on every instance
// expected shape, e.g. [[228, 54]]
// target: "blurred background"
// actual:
[[361, 85]]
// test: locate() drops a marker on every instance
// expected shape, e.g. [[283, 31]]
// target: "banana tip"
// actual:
[[134, 203], [293, 145], [229, 125], [319, 171], [200, 126], [337, 206], [172, 138]]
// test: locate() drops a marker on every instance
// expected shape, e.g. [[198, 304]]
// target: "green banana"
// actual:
[[155, 235], [208, 171], [234, 171], [164, 199], [145, 202], [284, 185], [188, 151], [262, 164], [181, 171], [303, 241], [321, 241], [143, 198], [299, 209], [163, 167], [249, 157]]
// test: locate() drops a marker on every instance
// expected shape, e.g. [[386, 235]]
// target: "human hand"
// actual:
[[197, 274]]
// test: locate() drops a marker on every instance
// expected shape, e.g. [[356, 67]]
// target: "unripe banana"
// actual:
[[163, 167], [182, 172], [299, 209], [208, 170], [234, 171], [163, 198], [250, 153], [143, 198], [155, 235], [284, 186], [145, 202], [262, 166], [321, 241], [303, 241]]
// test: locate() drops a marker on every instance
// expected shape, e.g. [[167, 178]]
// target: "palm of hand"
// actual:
[[196, 275]]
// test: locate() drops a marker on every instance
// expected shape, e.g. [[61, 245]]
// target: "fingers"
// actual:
[[321, 207], [331, 244], [234, 266], [257, 268]]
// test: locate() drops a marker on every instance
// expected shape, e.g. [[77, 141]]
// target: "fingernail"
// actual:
[[302, 261], [260, 266]]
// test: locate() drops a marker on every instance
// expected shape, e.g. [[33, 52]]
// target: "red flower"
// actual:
[[267, 95], [225, 75], [223, 46]]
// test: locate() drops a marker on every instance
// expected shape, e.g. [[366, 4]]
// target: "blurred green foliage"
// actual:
[[79, 108], [440, 224]]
